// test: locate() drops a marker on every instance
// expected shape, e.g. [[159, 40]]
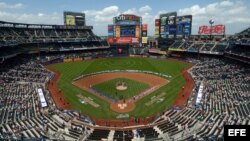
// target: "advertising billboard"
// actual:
[[135, 40], [126, 19], [70, 20], [110, 30], [144, 34], [117, 31], [215, 30], [157, 51], [163, 30], [166, 29], [111, 40], [124, 40], [219, 29], [157, 22], [110, 34], [168, 20], [171, 20], [163, 20], [137, 31], [184, 25], [144, 27], [144, 40], [157, 26], [157, 29], [204, 29], [110, 27], [144, 30], [171, 29]]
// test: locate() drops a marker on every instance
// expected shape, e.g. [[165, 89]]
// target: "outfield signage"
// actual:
[[175, 49], [216, 29], [144, 40], [127, 20], [144, 27], [128, 23], [110, 30], [157, 51], [124, 40], [117, 31], [111, 40], [172, 25]]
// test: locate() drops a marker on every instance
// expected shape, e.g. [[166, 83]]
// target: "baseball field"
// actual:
[[160, 99]]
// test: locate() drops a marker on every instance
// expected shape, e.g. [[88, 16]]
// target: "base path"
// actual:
[[154, 82], [60, 101], [183, 96]]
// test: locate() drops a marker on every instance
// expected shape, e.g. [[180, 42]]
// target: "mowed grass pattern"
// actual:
[[71, 70], [109, 88]]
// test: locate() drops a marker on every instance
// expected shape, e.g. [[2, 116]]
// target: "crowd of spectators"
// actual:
[[14, 36], [227, 88]]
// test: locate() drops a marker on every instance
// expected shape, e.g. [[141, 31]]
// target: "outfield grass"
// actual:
[[71, 70], [109, 88]]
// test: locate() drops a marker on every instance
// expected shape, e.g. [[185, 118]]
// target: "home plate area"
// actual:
[[122, 106]]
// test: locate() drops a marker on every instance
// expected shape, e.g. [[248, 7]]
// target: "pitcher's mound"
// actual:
[[121, 107], [121, 86]]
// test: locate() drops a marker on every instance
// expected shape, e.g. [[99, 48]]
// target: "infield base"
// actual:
[[122, 107]]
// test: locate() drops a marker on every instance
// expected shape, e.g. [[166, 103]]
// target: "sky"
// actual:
[[234, 14]]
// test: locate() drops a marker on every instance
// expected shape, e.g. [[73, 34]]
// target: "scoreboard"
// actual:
[[184, 25], [74, 18], [168, 23], [173, 25], [127, 31]]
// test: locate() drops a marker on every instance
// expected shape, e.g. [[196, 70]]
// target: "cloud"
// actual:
[[131, 11], [101, 18], [234, 14], [145, 9], [39, 18], [104, 15], [40, 14], [4, 5], [226, 3], [36, 18]]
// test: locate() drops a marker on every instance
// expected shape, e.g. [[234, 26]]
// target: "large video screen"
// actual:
[[74, 18], [127, 31], [70, 20], [168, 20], [184, 25]]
